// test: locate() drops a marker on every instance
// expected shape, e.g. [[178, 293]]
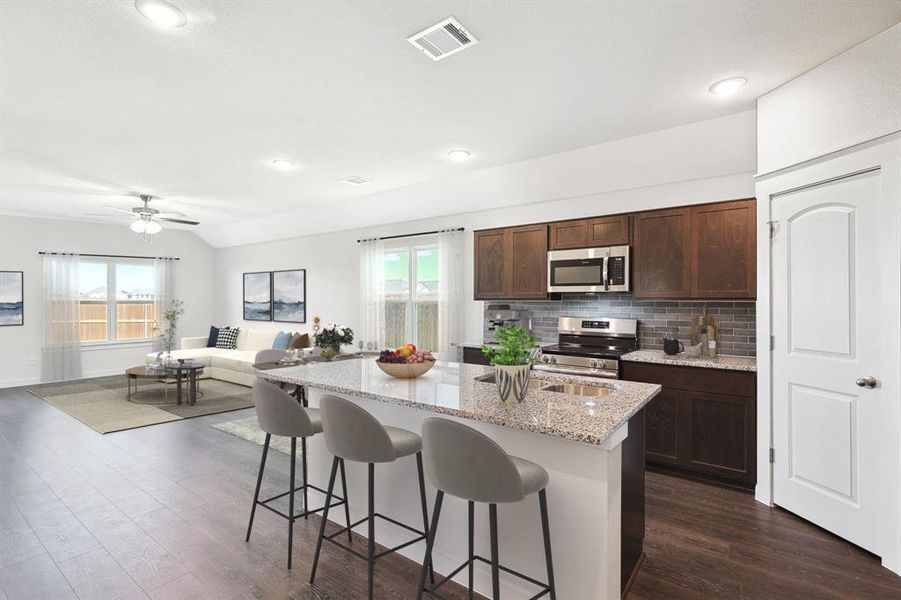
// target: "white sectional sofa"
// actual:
[[235, 365]]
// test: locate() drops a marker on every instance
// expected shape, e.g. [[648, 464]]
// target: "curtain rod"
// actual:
[[117, 256], [406, 235]]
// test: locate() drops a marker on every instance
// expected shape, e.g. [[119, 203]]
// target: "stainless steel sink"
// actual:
[[534, 384], [576, 389]]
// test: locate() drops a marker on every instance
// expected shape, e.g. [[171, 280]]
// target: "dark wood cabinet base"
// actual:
[[702, 423]]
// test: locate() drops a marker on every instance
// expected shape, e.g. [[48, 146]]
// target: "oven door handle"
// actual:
[[606, 373], [606, 287]]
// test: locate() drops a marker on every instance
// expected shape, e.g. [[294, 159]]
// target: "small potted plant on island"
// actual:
[[512, 362], [331, 338]]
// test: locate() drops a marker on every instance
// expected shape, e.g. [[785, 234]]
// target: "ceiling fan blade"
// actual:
[[170, 215], [106, 215], [117, 208], [181, 221]]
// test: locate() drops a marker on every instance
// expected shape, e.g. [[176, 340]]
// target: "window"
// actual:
[[411, 296], [116, 301]]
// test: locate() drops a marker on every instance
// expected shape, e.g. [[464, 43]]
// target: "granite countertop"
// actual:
[[731, 363], [452, 389]]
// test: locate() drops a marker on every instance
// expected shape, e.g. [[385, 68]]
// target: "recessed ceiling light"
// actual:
[[727, 87], [162, 13], [355, 180], [459, 155], [283, 164]]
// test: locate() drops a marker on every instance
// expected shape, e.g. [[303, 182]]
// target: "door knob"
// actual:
[[866, 382]]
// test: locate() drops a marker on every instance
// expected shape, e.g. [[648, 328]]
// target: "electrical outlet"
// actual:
[[31, 361]]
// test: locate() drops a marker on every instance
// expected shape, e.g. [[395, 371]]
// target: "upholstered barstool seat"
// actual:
[[351, 433], [466, 463], [280, 413]]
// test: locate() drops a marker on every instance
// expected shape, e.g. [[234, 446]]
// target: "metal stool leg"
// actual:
[[472, 545], [346, 501], [371, 527], [291, 501], [546, 530], [425, 509], [495, 570], [430, 542], [256, 494], [303, 450], [328, 502]]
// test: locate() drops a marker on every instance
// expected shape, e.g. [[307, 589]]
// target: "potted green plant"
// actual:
[[512, 361], [331, 338], [170, 316]]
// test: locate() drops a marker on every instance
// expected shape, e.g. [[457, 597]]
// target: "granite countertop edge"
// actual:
[[722, 361], [646, 391]]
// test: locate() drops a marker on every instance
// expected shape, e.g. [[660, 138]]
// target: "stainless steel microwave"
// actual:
[[588, 270]]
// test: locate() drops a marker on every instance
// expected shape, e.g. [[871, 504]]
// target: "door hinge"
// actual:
[[772, 455], [772, 342], [774, 227]]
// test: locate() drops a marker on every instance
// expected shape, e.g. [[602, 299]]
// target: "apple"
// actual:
[[403, 352], [411, 347]]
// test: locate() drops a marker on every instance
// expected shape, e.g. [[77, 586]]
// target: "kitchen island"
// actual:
[[579, 439]]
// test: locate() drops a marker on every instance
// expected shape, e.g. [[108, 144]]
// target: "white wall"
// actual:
[[721, 146], [20, 240], [331, 259], [853, 98]]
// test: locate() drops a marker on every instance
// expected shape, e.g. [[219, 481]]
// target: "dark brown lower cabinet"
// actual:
[[703, 423]]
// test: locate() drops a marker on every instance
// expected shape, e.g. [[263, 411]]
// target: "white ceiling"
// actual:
[[96, 102]]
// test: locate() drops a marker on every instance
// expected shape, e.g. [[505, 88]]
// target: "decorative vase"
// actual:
[[512, 382]]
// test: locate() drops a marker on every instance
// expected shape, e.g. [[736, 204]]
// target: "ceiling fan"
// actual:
[[146, 219]]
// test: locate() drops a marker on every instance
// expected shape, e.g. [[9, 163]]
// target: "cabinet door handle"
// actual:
[[866, 382]]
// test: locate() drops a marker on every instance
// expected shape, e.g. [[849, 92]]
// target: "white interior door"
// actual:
[[828, 434]]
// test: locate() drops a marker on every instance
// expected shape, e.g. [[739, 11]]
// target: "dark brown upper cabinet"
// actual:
[[704, 252], [589, 233], [511, 263], [724, 261], [662, 257], [491, 259]]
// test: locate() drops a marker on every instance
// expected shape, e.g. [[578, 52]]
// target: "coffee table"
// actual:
[[182, 372]]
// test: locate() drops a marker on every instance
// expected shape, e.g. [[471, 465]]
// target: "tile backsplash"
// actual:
[[736, 321]]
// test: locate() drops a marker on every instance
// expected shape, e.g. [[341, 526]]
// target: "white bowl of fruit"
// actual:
[[405, 362]]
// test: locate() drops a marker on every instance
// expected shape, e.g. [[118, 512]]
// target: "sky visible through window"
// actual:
[[132, 281]]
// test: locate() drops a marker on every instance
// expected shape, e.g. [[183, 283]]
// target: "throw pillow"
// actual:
[[228, 338], [300, 340], [214, 334], [281, 341]]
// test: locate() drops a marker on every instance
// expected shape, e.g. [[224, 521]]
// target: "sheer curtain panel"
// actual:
[[372, 293], [450, 292], [61, 352], [162, 296]]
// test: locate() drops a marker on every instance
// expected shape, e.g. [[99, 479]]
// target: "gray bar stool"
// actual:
[[468, 464], [279, 413], [353, 434]]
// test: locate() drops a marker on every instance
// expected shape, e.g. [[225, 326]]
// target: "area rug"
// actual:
[[248, 429], [101, 403]]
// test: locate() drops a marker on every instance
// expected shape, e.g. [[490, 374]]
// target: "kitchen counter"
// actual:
[[730, 363], [452, 389], [587, 444]]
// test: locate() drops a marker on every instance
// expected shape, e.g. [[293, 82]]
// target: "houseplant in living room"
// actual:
[[330, 339], [175, 309], [512, 362]]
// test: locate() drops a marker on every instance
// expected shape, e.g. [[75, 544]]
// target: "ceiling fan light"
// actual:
[[138, 226], [153, 227]]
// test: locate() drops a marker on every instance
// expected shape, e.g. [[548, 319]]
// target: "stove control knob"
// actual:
[[593, 363], [544, 358], [553, 359]]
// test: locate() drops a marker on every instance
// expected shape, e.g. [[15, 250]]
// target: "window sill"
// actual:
[[94, 346]]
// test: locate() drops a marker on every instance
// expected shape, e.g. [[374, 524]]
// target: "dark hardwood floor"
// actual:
[[160, 513]]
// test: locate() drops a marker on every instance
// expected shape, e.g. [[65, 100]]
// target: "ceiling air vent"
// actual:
[[441, 40], [355, 180]]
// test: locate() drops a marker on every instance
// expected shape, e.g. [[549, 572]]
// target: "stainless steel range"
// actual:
[[590, 346]]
